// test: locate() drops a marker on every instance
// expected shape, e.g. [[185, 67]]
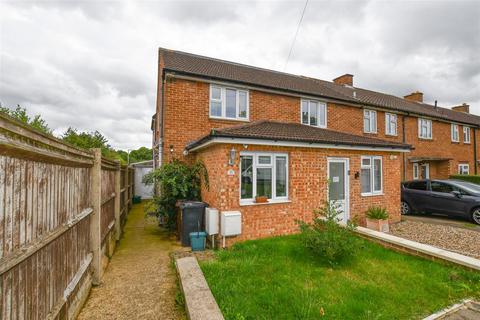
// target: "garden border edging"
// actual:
[[417, 248], [199, 301]]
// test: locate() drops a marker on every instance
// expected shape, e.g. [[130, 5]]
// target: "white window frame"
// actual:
[[416, 171], [391, 122], [455, 132], [255, 164], [321, 105], [466, 135], [427, 123], [371, 116], [464, 166], [372, 175], [223, 101]]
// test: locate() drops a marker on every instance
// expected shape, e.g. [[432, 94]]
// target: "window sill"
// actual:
[[372, 194], [370, 132], [228, 119], [253, 203], [425, 139]]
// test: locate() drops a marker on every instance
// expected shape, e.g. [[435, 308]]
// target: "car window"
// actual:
[[441, 187], [470, 187], [417, 185]]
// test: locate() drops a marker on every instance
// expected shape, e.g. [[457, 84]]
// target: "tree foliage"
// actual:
[[177, 181], [19, 113], [88, 140], [138, 155]]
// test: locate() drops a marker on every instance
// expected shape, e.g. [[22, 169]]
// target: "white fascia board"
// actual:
[[261, 142]]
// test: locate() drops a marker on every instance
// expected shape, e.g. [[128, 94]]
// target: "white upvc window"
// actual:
[[371, 176], [424, 128], [313, 113], [263, 174], [455, 133], [228, 103], [369, 121], [416, 171], [466, 134], [390, 124], [464, 168]]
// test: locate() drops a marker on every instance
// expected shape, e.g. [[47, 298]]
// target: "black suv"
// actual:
[[449, 197]]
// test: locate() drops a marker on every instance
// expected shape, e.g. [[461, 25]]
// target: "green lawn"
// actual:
[[277, 278]]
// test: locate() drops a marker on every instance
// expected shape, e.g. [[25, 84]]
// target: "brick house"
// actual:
[[262, 132]]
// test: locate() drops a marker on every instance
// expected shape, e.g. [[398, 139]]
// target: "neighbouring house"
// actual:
[[267, 133]]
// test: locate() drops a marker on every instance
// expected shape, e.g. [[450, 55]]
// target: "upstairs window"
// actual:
[[228, 103], [464, 169], [369, 121], [371, 175], [424, 128], [390, 124], [466, 135], [314, 113], [455, 133]]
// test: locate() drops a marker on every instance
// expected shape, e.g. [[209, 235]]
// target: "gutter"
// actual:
[[209, 140]]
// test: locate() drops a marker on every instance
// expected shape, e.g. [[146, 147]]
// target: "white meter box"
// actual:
[[231, 223], [211, 221]]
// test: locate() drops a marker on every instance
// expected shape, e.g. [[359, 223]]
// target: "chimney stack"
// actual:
[[346, 79], [416, 96], [465, 108]]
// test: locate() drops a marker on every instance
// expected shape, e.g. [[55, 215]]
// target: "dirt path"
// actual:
[[139, 282]]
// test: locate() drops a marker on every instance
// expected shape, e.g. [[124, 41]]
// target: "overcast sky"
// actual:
[[93, 64]]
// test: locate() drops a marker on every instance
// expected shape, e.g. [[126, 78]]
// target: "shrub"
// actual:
[[326, 238], [469, 178], [377, 213], [176, 181]]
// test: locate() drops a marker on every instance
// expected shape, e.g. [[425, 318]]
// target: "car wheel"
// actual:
[[476, 215], [405, 208]]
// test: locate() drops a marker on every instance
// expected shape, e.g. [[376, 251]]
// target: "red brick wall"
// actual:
[[441, 146], [307, 188], [187, 118]]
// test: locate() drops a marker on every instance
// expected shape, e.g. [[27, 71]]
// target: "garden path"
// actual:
[[140, 282]]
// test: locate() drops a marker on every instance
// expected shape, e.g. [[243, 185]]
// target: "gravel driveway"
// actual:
[[450, 238]]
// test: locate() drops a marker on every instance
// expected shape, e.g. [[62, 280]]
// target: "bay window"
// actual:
[[314, 113], [263, 174], [369, 121], [371, 177], [228, 103]]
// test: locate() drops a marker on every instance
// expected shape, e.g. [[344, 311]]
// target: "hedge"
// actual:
[[469, 178]]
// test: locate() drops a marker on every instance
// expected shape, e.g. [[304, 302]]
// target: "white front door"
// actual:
[[338, 191], [425, 171]]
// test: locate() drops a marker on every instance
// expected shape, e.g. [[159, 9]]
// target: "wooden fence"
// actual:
[[61, 212]]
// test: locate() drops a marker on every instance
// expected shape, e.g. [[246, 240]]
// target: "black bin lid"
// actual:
[[192, 204]]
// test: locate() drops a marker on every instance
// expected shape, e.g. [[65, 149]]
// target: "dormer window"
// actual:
[[314, 113], [228, 103]]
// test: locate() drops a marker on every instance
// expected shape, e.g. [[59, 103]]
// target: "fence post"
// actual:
[[95, 221], [126, 193], [118, 193]]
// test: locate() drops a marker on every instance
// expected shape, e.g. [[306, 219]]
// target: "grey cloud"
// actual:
[[92, 65]]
